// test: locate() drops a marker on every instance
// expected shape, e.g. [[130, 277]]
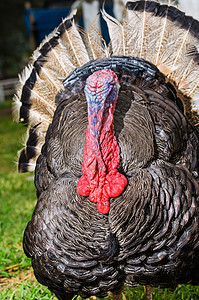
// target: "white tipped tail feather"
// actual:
[[160, 34], [60, 53]]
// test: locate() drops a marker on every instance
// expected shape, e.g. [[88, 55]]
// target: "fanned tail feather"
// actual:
[[95, 41], [34, 104], [117, 34], [161, 34]]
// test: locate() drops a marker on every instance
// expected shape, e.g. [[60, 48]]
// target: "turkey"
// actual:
[[113, 135]]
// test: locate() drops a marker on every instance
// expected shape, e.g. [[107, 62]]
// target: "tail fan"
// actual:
[[60, 53], [163, 35]]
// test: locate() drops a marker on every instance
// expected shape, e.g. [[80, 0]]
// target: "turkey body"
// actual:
[[151, 233]]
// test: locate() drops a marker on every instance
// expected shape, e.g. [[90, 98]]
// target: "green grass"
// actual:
[[27, 290], [17, 201]]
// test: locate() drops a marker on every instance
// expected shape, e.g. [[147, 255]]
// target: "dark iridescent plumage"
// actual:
[[150, 235]]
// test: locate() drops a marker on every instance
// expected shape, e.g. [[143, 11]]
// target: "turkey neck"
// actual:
[[101, 153]]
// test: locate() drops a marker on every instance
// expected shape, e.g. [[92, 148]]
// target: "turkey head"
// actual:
[[101, 154]]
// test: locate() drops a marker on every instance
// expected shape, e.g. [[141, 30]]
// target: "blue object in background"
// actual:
[[40, 22], [45, 21]]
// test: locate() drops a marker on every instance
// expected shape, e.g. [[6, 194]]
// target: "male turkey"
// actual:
[[113, 134]]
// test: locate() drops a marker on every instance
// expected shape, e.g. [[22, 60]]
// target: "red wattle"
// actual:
[[101, 153], [116, 184], [103, 207], [83, 186], [96, 184]]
